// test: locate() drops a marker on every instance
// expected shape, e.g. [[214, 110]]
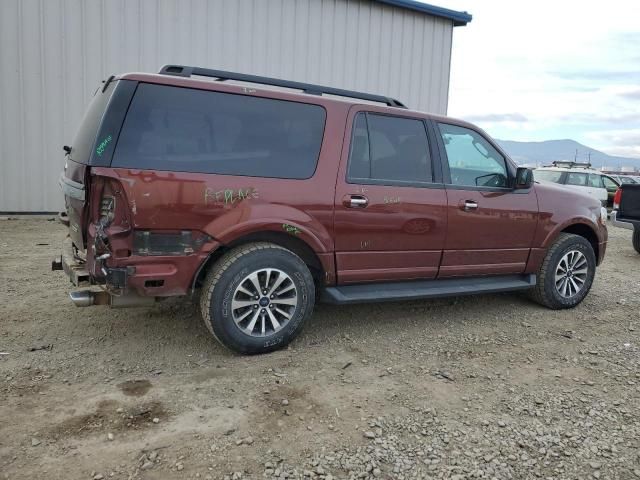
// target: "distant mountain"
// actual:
[[543, 153]]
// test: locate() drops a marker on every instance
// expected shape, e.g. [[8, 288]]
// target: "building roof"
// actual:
[[458, 18]]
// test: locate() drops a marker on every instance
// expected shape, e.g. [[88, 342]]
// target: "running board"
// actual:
[[396, 291]]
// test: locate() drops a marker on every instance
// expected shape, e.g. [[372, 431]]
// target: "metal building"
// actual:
[[54, 53]]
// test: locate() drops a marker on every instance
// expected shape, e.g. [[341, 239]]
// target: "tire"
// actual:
[[546, 292], [228, 310], [636, 239]]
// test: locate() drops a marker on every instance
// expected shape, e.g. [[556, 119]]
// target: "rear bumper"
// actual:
[[145, 276], [628, 224]]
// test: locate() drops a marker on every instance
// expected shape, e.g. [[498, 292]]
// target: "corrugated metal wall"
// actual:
[[54, 53]]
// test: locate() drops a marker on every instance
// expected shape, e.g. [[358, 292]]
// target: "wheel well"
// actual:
[[294, 244], [586, 232]]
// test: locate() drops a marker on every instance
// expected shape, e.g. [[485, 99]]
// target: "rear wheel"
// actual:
[[566, 274], [636, 239], [256, 298]]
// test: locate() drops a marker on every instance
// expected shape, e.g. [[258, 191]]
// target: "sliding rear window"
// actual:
[[189, 130]]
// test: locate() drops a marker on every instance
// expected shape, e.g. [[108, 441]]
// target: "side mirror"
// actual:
[[524, 178]]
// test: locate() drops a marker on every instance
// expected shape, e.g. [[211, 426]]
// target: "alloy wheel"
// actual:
[[264, 302], [571, 273]]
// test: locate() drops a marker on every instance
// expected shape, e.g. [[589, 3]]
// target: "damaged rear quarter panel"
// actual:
[[224, 207]]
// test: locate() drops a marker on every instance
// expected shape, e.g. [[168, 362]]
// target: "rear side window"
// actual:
[[85, 139], [548, 175], [579, 179], [189, 130], [389, 149], [595, 181]]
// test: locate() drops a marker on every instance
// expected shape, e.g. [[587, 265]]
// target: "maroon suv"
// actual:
[[264, 200]]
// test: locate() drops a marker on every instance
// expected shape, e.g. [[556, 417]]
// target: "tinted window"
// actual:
[[389, 148], [579, 179], [85, 137], [595, 181], [548, 175], [473, 161], [187, 130]]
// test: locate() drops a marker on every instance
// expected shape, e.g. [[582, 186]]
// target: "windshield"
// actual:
[[626, 180]]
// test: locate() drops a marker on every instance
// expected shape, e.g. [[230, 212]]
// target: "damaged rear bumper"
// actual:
[[137, 280], [74, 267]]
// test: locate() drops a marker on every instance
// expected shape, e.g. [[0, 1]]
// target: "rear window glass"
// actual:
[[547, 175], [85, 139], [188, 130]]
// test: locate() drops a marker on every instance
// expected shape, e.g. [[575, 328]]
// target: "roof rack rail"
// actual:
[[221, 75], [571, 164]]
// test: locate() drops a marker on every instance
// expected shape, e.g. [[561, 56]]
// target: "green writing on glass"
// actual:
[[103, 145]]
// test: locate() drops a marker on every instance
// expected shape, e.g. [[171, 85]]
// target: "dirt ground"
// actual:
[[488, 386]]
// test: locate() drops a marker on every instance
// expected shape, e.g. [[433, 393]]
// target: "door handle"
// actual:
[[468, 205], [355, 201]]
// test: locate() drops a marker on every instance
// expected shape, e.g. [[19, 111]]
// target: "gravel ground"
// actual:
[[488, 386]]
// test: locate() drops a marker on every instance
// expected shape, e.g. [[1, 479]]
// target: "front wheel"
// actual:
[[256, 298], [636, 239], [566, 274]]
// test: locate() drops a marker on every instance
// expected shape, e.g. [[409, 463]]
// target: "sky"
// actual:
[[545, 70]]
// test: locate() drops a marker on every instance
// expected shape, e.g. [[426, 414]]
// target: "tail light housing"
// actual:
[[617, 198], [108, 208], [110, 204]]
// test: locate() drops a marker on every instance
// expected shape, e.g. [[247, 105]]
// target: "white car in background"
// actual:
[[575, 176]]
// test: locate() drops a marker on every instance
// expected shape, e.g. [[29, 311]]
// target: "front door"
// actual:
[[490, 225], [390, 205]]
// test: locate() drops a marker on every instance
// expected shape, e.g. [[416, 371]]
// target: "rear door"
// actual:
[[490, 225], [390, 215]]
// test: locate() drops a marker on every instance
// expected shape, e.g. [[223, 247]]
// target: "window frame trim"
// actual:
[[436, 173]]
